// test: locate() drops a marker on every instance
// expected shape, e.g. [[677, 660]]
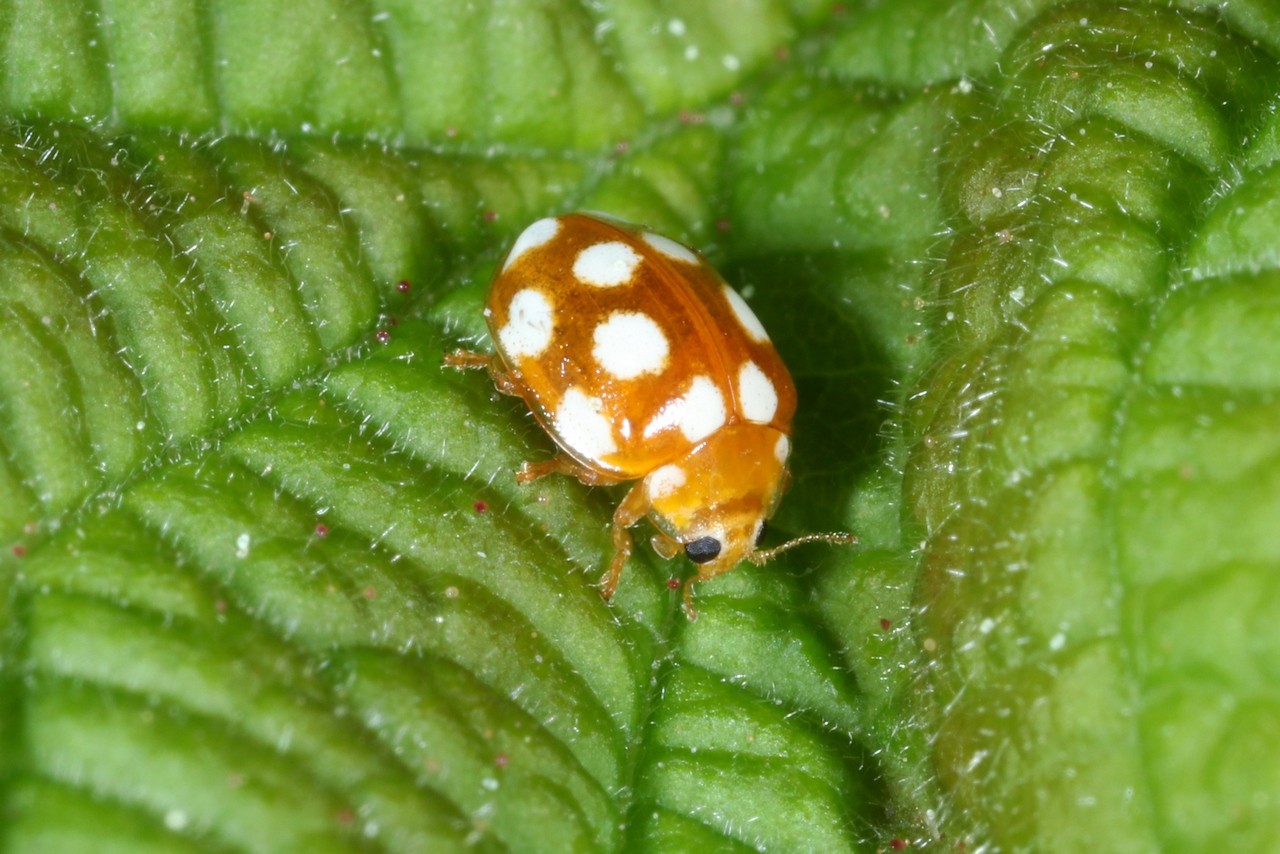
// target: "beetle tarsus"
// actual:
[[689, 610]]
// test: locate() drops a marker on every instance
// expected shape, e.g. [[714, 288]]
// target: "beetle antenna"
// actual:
[[835, 538]]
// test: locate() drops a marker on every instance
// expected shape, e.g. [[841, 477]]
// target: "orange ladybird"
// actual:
[[643, 364]]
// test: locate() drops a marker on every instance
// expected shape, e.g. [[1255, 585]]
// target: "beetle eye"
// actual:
[[702, 549], [764, 529]]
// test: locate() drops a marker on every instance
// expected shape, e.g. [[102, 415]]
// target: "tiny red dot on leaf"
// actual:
[[490, 216], [481, 506], [321, 530], [19, 551], [393, 321], [346, 816], [723, 224], [404, 286], [383, 336], [370, 593], [885, 624], [673, 583], [897, 844], [501, 760]]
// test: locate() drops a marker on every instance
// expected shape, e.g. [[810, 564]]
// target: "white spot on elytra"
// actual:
[[530, 322], [664, 480], [532, 237], [698, 413], [581, 424], [630, 343], [606, 265], [668, 247], [757, 397], [746, 316], [782, 449]]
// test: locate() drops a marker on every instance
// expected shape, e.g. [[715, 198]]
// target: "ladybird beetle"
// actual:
[[643, 364]]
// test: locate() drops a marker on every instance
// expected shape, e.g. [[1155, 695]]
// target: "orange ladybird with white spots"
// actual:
[[643, 364]]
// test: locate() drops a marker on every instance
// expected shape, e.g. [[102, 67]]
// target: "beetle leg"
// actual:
[[703, 575], [563, 464], [468, 360], [690, 611], [465, 360], [631, 510]]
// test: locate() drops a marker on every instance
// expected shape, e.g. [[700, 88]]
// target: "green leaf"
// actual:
[[268, 582], [1092, 475]]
